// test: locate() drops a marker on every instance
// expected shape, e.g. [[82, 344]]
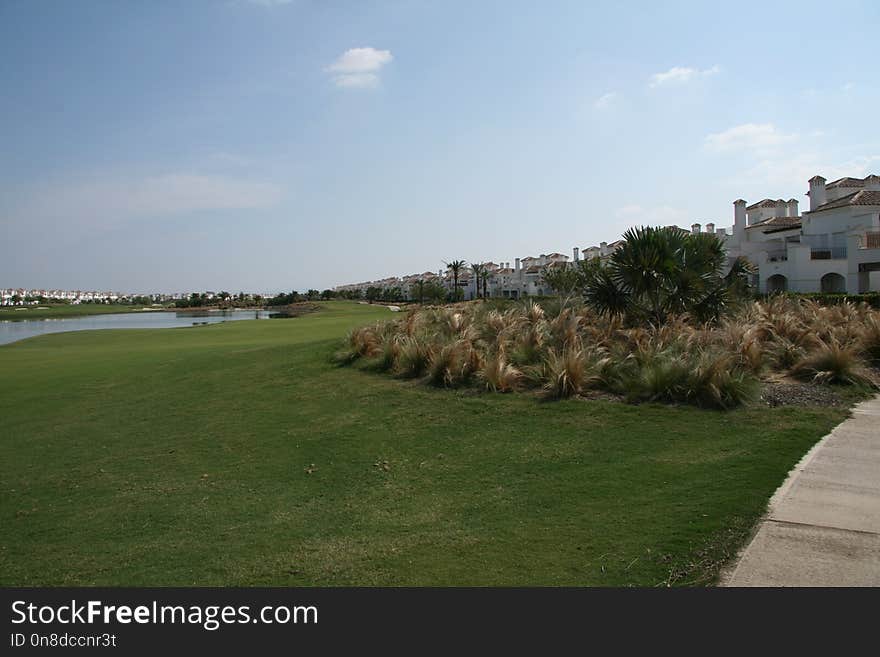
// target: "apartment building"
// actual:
[[832, 247]]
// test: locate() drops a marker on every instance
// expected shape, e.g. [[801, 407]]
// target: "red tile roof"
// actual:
[[847, 182], [777, 222], [863, 197], [766, 203]]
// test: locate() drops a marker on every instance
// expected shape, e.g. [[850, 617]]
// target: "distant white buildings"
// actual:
[[832, 247], [524, 278], [22, 296], [32, 296]]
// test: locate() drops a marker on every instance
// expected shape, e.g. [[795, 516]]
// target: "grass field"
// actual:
[[60, 311], [235, 454]]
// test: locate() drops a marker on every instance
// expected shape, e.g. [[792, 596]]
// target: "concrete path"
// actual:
[[823, 524]]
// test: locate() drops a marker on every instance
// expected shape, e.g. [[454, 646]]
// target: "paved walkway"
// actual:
[[823, 524]]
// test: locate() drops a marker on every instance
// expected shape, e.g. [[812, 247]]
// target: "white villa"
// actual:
[[834, 247]]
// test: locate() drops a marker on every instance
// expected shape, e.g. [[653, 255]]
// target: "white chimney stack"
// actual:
[[817, 192], [710, 228], [516, 260], [792, 207], [695, 228], [739, 216]]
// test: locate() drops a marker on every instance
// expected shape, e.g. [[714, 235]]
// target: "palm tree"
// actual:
[[480, 272], [663, 271], [456, 267]]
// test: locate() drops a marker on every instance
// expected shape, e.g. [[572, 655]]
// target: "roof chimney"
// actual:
[[739, 216], [792, 207], [817, 192], [710, 228], [576, 254], [695, 228], [516, 260]]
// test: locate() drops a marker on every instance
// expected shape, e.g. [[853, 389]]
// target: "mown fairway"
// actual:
[[236, 454]]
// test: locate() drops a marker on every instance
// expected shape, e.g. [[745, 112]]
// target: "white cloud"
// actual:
[[681, 75], [361, 80], [778, 164], [756, 137], [792, 171], [117, 199], [605, 100], [359, 67]]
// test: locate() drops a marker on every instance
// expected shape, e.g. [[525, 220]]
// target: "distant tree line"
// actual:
[[221, 299]]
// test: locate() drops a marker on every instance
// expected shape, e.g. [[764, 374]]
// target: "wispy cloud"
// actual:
[[792, 171], [359, 67], [761, 138], [605, 100], [779, 163], [680, 75]]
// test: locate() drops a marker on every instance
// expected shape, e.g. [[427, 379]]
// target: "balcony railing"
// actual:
[[828, 253], [871, 240]]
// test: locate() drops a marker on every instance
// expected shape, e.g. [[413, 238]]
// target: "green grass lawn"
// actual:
[[60, 311], [235, 454]]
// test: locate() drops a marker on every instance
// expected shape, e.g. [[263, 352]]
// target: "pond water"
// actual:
[[12, 331]]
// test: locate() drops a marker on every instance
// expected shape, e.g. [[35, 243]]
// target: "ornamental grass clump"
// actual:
[[498, 375], [869, 339], [567, 373], [361, 342], [413, 357], [574, 349], [386, 360], [453, 364], [832, 362], [703, 378]]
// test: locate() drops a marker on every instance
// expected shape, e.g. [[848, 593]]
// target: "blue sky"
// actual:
[[265, 145]]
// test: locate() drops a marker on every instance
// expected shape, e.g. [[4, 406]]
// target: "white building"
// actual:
[[833, 247]]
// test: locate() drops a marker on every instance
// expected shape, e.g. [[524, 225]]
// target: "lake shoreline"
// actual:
[[19, 313]]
